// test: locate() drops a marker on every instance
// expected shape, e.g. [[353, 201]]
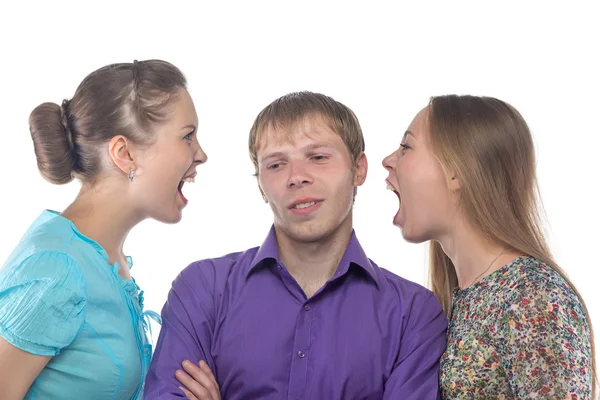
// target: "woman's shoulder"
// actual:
[[42, 293], [45, 252], [540, 295], [50, 238], [533, 278]]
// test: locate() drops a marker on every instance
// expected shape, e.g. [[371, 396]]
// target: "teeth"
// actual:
[[393, 189], [190, 180], [304, 205]]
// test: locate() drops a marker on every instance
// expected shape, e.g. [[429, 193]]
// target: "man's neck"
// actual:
[[313, 264]]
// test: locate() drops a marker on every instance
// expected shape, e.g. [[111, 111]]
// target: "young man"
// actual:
[[306, 315]]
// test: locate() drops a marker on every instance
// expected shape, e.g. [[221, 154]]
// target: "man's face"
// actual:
[[308, 177]]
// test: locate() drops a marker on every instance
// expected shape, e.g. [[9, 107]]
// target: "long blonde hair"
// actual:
[[487, 145]]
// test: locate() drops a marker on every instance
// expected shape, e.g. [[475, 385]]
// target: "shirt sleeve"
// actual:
[[416, 373], [188, 322], [548, 350], [43, 302]]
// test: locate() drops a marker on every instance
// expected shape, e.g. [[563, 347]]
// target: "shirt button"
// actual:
[[300, 354], [146, 351], [307, 307]]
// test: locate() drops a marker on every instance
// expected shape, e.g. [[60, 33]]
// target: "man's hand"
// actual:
[[199, 381]]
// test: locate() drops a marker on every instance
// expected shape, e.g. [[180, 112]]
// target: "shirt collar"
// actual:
[[354, 255]]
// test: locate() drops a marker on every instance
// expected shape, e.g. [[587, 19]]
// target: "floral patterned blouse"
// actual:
[[519, 333]]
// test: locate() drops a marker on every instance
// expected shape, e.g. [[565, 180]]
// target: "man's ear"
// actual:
[[361, 167], [262, 193]]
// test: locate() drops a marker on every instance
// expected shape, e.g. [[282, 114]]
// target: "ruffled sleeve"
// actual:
[[42, 303]]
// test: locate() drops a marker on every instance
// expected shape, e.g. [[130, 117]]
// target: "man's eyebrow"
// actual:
[[309, 147], [277, 154], [315, 146]]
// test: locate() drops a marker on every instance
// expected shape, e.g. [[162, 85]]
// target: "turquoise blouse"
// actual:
[[60, 297]]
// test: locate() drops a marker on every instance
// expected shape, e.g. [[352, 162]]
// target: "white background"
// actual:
[[383, 60]]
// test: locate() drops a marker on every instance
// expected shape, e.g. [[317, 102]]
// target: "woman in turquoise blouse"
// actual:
[[72, 324]]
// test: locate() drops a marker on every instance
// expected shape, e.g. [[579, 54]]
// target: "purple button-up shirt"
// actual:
[[367, 334]]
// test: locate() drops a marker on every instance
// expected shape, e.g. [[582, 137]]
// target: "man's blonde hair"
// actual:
[[283, 113]]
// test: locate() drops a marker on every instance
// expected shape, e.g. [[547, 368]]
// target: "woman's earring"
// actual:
[[131, 174]]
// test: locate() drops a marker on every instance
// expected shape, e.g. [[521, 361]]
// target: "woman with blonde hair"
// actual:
[[518, 328]]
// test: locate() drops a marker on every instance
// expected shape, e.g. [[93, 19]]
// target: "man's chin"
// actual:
[[309, 231]]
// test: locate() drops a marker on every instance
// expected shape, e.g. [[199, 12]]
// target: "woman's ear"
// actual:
[[119, 149], [454, 183]]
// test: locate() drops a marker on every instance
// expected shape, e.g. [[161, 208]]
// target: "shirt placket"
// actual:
[[144, 348], [301, 353], [301, 349]]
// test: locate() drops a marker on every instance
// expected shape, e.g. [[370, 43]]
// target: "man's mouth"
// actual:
[[305, 207], [303, 203]]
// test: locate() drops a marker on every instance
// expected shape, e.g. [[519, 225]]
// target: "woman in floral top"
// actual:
[[465, 178]]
